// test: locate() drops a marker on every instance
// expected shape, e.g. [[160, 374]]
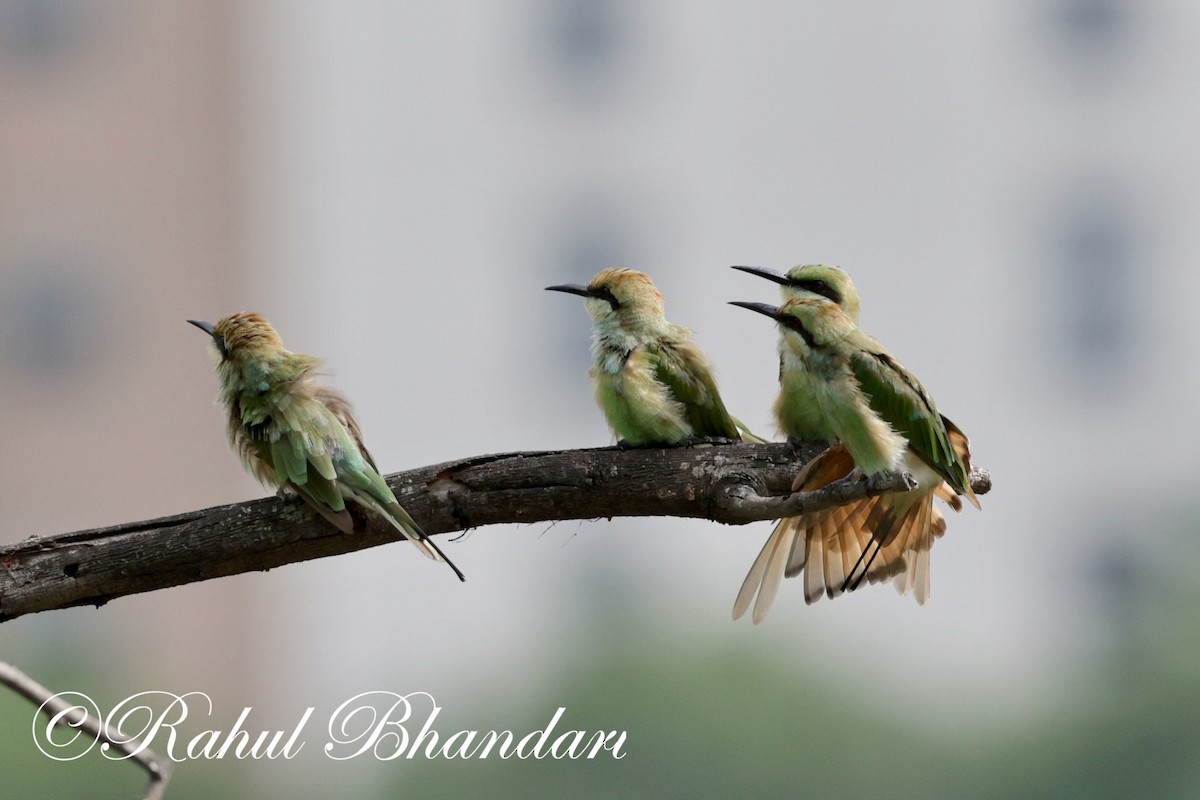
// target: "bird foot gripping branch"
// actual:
[[883, 482], [838, 384]]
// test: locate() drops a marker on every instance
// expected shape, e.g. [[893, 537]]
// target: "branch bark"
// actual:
[[731, 483]]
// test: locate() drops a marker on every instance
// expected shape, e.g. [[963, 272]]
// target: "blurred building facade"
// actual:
[[117, 223]]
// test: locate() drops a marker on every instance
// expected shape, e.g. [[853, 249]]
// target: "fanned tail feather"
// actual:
[[904, 528], [766, 571], [788, 536], [866, 550], [895, 524], [916, 577], [827, 541], [947, 496], [839, 536], [837, 549]]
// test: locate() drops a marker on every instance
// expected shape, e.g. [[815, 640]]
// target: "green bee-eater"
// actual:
[[652, 381], [297, 436], [840, 385], [822, 540]]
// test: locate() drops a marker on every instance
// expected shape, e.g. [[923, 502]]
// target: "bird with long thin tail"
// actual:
[[839, 385], [652, 382], [298, 436]]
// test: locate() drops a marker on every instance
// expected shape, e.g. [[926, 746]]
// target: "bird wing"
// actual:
[[902, 402], [962, 448], [340, 407], [360, 479], [315, 447], [680, 367], [287, 448]]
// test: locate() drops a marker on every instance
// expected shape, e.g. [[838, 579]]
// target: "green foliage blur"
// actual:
[[706, 724]]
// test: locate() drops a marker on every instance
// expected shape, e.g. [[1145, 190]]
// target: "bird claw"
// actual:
[[881, 482], [707, 441]]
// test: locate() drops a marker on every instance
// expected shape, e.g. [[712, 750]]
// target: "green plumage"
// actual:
[[652, 382], [689, 381], [661, 394], [900, 400], [296, 435], [838, 384]]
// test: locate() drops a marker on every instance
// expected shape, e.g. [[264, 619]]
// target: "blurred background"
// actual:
[[1013, 186]]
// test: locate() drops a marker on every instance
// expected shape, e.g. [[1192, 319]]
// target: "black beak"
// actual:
[[762, 308], [769, 274], [207, 327], [571, 288]]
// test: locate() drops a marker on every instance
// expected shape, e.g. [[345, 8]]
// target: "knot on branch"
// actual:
[[733, 489], [450, 492]]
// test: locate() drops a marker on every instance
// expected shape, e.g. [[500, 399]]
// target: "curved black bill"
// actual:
[[769, 274], [207, 327], [763, 308], [571, 288]]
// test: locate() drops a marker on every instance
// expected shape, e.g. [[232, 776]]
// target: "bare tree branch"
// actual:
[[731, 483], [75, 716]]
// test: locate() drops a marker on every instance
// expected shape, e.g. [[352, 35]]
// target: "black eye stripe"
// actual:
[[822, 288], [606, 295], [793, 324]]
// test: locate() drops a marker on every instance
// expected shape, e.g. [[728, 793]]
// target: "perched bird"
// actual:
[[822, 540], [297, 436], [652, 382], [840, 385]]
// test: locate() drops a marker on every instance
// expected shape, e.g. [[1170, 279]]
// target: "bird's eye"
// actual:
[[818, 286]]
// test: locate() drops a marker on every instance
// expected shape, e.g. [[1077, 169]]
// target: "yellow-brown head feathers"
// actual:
[[627, 287], [244, 332], [621, 299]]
